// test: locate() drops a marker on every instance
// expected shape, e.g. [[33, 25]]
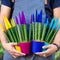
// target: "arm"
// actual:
[[56, 12], [52, 47], [5, 11]]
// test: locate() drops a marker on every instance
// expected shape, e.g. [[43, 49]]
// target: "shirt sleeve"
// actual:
[[7, 3], [56, 3]]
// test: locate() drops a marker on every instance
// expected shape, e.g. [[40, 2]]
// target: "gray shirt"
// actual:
[[29, 7]]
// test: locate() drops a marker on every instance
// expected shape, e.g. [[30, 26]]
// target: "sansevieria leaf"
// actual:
[[7, 23], [1, 27], [13, 23]]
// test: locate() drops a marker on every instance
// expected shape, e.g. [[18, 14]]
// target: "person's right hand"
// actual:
[[10, 48]]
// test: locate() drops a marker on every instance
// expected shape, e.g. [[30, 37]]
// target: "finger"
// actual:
[[14, 57], [44, 55], [46, 47], [47, 53], [14, 52], [18, 53], [40, 53], [13, 44], [22, 53]]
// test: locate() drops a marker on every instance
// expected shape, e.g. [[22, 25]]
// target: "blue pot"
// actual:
[[37, 46]]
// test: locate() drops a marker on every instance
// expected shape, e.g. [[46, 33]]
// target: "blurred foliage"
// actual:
[[57, 55], [1, 52], [1, 49]]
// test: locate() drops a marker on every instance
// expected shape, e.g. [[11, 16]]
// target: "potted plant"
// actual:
[[17, 32], [37, 30], [43, 34], [25, 43], [30, 39]]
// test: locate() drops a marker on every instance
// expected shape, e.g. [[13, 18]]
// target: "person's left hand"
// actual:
[[50, 50]]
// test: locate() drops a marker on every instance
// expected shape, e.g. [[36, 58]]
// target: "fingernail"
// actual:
[[36, 53], [44, 55], [24, 54], [42, 47]]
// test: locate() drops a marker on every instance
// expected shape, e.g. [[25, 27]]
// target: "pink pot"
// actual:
[[25, 47]]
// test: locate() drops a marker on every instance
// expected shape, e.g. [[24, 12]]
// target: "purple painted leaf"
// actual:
[[23, 18], [31, 20], [20, 18], [16, 20]]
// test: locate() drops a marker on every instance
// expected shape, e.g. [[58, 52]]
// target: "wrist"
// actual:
[[57, 46], [4, 44]]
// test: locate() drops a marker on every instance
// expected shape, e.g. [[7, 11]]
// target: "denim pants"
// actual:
[[7, 56]]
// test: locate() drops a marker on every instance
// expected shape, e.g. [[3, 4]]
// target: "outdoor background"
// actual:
[[57, 55]]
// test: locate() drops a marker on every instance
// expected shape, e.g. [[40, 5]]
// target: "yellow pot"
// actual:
[[18, 48]]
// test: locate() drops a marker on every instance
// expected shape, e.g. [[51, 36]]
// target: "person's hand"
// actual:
[[10, 48], [50, 50]]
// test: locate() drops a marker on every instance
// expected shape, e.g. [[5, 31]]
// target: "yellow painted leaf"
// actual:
[[7, 23], [12, 22], [1, 27], [18, 48]]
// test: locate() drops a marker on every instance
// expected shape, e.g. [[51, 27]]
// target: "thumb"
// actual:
[[14, 44], [45, 47]]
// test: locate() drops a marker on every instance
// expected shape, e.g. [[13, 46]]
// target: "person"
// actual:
[[52, 8]]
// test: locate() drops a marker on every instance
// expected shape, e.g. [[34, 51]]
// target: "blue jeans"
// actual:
[[7, 56]]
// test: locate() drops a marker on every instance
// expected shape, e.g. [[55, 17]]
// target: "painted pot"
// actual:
[[37, 46], [25, 47]]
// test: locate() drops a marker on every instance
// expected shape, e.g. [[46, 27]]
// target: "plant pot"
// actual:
[[18, 48], [37, 46], [45, 44], [25, 47]]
